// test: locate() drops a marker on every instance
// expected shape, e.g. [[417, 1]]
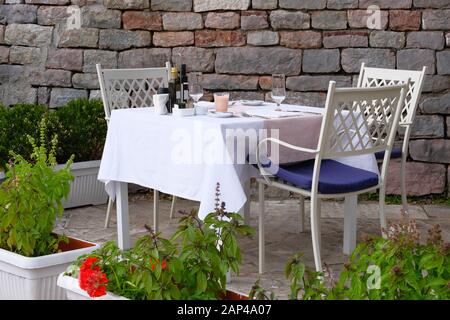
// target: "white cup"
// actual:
[[201, 110], [160, 100]]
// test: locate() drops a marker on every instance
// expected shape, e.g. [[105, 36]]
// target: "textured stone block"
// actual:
[[305, 4], [435, 150], [61, 96], [15, 93], [282, 19], [212, 5], [436, 104], [426, 127], [173, 39], [227, 82], [171, 5], [447, 39], [316, 83], [21, 13], [85, 81], [438, 4], [342, 4], [313, 99], [68, 59], [329, 20], [426, 39], [301, 39], [219, 38], [254, 20], [123, 39], [436, 83], [443, 62], [265, 82], [415, 59], [28, 35], [421, 178], [51, 15], [50, 77], [386, 4], [359, 19], [43, 95], [262, 38], [264, 4], [127, 4], [380, 58], [345, 39], [4, 54], [223, 20], [26, 55], [144, 58], [78, 38], [108, 60], [142, 20], [249, 60], [436, 20], [403, 20], [246, 95], [2, 34], [387, 39], [321, 60], [97, 16], [196, 59], [182, 21]]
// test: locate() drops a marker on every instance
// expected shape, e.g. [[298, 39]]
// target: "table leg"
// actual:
[[123, 226], [245, 211], [350, 219]]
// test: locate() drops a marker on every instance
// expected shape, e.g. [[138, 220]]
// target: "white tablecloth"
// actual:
[[185, 157]]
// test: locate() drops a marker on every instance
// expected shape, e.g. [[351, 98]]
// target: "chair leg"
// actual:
[[382, 210], [155, 209], [315, 231], [108, 212], [403, 185], [172, 207], [301, 221], [261, 229], [350, 223]]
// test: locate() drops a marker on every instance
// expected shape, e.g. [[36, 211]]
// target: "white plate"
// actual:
[[252, 102], [220, 114]]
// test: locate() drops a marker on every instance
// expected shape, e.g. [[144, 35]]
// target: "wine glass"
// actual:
[[278, 89], [195, 87]]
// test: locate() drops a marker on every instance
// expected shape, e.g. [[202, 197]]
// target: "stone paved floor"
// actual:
[[282, 239]]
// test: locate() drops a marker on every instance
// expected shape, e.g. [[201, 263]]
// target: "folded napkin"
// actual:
[[271, 114]]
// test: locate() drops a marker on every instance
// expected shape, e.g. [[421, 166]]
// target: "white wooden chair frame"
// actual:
[[374, 77], [132, 88], [366, 143]]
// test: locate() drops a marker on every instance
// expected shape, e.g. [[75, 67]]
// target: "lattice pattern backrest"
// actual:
[[360, 120], [376, 77], [132, 88]]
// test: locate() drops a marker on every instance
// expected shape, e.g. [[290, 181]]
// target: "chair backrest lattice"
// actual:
[[377, 77], [130, 88]]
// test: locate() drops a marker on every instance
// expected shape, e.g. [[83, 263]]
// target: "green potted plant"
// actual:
[[192, 264], [397, 267], [31, 255]]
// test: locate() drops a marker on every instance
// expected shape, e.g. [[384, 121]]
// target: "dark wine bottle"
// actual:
[[173, 88], [184, 84]]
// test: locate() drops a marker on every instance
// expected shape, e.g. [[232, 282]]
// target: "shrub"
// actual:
[[30, 199], [15, 124]]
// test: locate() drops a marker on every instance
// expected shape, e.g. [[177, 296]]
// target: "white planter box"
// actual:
[[74, 292], [25, 278], [85, 189]]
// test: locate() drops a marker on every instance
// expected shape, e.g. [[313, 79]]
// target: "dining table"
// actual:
[[188, 156]]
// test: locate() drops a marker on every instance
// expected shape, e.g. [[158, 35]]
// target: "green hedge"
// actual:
[[80, 126]]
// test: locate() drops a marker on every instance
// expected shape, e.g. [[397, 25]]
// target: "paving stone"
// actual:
[[223, 20], [443, 62], [437, 211], [436, 20], [107, 59], [177, 21], [219, 38], [345, 39], [254, 20], [361, 19], [435, 150], [301, 39], [329, 20], [61, 96], [173, 39], [171, 5], [248, 60], [282, 19], [262, 38], [316, 83], [143, 20], [321, 60], [212, 5], [227, 82], [119, 40], [387, 39], [68, 59], [25, 55], [436, 104], [28, 35], [196, 59], [144, 58], [415, 59], [426, 39]]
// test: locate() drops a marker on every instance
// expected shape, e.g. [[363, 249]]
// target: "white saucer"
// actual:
[[215, 114], [252, 102]]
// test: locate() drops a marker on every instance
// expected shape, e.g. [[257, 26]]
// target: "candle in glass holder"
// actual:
[[221, 101]]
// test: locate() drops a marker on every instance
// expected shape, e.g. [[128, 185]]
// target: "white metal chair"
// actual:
[[375, 77], [356, 121], [132, 88]]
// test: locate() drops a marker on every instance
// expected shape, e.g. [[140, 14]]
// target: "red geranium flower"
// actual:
[[164, 265], [87, 264], [96, 282]]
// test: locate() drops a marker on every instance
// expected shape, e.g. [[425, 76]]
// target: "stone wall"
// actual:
[[45, 57]]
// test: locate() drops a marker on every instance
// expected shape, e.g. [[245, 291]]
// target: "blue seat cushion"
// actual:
[[396, 153], [335, 177]]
